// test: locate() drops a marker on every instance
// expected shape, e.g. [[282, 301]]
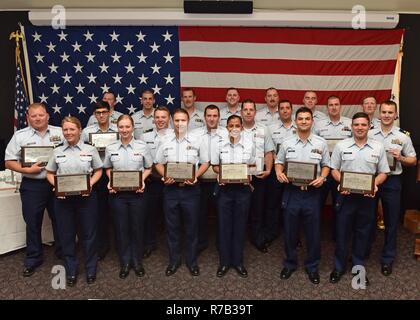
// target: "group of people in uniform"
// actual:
[[264, 140]]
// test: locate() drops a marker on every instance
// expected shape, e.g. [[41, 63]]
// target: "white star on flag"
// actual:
[[55, 88], [167, 36], [64, 57], [57, 109], [88, 36], [62, 36], [68, 98], [130, 89], [80, 88], [90, 57], [140, 37], [43, 98], [155, 47], [81, 109], [93, 98], [114, 36], [76, 46]]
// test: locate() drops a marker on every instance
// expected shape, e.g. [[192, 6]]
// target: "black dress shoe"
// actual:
[[241, 271], [313, 277], [286, 273], [171, 269], [139, 271], [195, 271], [124, 271], [221, 271], [147, 253], [386, 269], [71, 281], [335, 276], [28, 271], [91, 278]]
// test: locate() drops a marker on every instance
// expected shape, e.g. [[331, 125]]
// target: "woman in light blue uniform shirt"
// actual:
[[127, 207], [74, 156]]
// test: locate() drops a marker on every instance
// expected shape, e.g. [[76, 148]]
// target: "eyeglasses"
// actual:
[[101, 113]]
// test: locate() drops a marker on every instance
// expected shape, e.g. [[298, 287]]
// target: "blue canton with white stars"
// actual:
[[73, 67]]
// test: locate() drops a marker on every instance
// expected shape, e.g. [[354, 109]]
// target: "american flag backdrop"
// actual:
[[71, 68]]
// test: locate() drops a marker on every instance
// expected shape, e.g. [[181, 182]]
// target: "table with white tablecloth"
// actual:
[[12, 225]]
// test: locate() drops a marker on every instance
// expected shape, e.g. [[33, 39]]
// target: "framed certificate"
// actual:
[[392, 162], [356, 182], [300, 172], [34, 154], [209, 175], [233, 173], [126, 180], [180, 171], [331, 144], [72, 184], [101, 139]]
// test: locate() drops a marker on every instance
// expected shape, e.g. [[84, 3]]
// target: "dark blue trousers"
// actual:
[[265, 209], [153, 198], [104, 221], [233, 202], [182, 204], [390, 194], [301, 207], [207, 203], [36, 196], [71, 212], [355, 216], [129, 217], [330, 186]]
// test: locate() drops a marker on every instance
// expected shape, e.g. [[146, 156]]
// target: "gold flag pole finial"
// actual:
[[17, 35]]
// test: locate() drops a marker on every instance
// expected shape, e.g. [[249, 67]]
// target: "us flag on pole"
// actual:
[[21, 100], [71, 68]]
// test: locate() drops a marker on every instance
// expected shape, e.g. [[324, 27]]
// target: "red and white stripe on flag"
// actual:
[[348, 63]]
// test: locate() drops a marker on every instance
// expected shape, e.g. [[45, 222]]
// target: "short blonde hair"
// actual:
[[72, 119]]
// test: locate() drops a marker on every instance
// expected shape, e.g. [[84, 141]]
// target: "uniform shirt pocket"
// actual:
[[348, 156], [115, 157], [85, 157], [60, 158], [137, 157], [372, 158], [316, 156]]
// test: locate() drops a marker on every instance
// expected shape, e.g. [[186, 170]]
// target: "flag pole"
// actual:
[[26, 60]]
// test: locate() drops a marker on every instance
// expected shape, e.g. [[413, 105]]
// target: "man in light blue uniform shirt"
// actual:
[[333, 129], [143, 119], [113, 114], [369, 106], [301, 202], [233, 106], [103, 124], [356, 212], [35, 191], [260, 212], [188, 98], [154, 191], [269, 114], [400, 152], [211, 135]]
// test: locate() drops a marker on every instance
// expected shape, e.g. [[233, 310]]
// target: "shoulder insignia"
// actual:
[[87, 142], [405, 132], [59, 145]]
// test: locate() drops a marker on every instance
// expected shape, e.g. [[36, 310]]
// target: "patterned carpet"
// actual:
[[263, 281]]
